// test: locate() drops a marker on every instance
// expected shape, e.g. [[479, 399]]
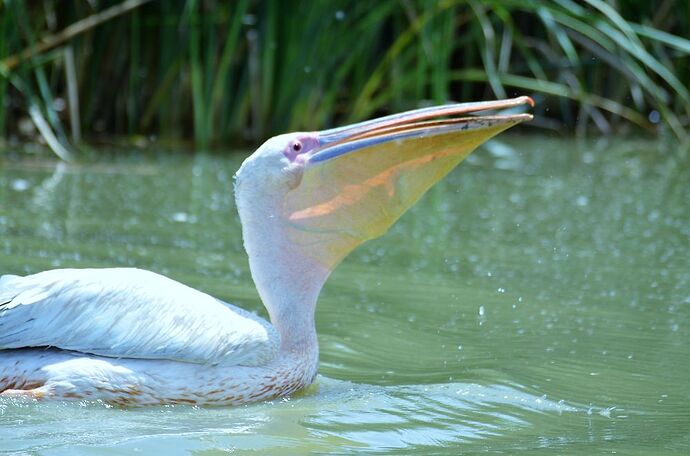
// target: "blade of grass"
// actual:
[[674, 41], [362, 105], [196, 71], [73, 94], [134, 68], [224, 75], [50, 41], [47, 133], [559, 90], [488, 48]]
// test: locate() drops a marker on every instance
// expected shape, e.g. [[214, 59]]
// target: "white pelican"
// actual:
[[133, 337]]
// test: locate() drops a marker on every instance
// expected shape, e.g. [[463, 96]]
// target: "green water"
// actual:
[[537, 300]]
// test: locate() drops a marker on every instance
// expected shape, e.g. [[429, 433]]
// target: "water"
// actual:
[[536, 300]]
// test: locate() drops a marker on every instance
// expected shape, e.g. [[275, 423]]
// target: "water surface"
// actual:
[[538, 300]]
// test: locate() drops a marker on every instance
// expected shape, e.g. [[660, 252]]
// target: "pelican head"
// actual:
[[307, 199]]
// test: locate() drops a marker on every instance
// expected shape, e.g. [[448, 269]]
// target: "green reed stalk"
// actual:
[[226, 72]]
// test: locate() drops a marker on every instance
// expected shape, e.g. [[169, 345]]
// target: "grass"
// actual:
[[220, 72]]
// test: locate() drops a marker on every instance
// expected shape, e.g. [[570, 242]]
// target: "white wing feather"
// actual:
[[129, 313]]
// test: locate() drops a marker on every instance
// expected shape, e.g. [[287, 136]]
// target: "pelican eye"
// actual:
[[297, 146]]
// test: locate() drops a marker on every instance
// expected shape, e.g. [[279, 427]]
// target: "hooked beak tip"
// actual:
[[347, 138]]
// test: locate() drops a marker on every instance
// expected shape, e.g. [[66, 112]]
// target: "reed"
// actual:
[[220, 72]]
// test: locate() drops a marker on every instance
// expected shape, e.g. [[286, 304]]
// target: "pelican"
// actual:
[[127, 336]]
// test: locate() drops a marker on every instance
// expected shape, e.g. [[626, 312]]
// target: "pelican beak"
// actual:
[[363, 177]]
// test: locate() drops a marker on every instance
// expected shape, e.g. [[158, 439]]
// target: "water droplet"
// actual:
[[183, 217], [59, 104], [339, 15], [654, 116], [606, 413], [20, 185]]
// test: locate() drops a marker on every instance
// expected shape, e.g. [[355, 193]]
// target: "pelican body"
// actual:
[[133, 337]]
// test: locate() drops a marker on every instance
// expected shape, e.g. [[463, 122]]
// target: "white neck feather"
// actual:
[[288, 281]]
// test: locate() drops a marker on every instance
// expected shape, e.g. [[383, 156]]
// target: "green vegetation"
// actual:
[[220, 72]]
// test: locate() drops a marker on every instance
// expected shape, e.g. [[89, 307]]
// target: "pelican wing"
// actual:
[[129, 313]]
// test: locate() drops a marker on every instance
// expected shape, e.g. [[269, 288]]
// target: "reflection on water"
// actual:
[[332, 414], [538, 298]]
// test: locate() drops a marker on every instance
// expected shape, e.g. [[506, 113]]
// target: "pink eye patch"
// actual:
[[300, 145]]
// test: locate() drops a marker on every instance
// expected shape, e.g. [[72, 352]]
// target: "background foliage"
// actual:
[[219, 72]]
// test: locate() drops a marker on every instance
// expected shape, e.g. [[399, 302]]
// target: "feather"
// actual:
[[129, 313]]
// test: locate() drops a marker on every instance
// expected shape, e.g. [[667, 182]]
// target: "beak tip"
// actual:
[[528, 100]]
